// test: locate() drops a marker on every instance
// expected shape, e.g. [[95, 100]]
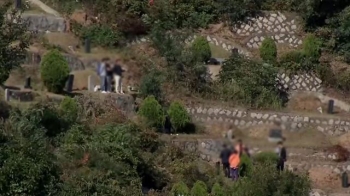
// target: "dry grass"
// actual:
[[218, 52]]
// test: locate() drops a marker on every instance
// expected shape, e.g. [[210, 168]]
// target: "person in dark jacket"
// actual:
[[282, 156], [224, 156]]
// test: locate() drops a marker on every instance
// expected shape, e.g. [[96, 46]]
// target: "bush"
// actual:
[[245, 166], [69, 109], [249, 82], [151, 85], [268, 50], [54, 71], [178, 115], [266, 158], [312, 47], [152, 111], [199, 189], [179, 188], [344, 81], [296, 61], [217, 190], [326, 74], [267, 180], [4, 110], [201, 49], [99, 35]]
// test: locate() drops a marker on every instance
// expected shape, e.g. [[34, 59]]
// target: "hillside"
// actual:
[[209, 65]]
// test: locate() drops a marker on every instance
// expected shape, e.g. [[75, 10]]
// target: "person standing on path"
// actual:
[[241, 148], [234, 161], [102, 72], [224, 156], [282, 156], [109, 77], [118, 73]]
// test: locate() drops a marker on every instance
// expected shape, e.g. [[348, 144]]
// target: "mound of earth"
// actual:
[[344, 140], [324, 178], [307, 103]]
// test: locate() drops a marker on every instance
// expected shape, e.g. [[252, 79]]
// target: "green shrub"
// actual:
[[69, 109], [4, 110], [54, 71], [312, 47], [343, 81], [217, 190], [326, 74], [151, 85], [297, 61], [245, 166], [266, 158], [268, 50], [267, 180], [99, 35], [178, 115], [199, 189], [201, 49], [152, 111], [180, 188]]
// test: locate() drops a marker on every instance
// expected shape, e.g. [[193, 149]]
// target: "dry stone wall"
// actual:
[[44, 23], [245, 118], [300, 82], [278, 26], [209, 150]]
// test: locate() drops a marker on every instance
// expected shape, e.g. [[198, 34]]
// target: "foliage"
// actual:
[[201, 49], [69, 109], [269, 181], [151, 85], [312, 47], [235, 11], [179, 116], [14, 40], [296, 61], [182, 64], [180, 188], [99, 34], [5, 109], [152, 111], [245, 166], [344, 81], [249, 82], [199, 188], [266, 158], [217, 190], [54, 71], [268, 50]]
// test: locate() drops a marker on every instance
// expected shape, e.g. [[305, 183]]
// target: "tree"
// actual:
[[179, 116], [152, 111], [151, 85], [201, 49], [250, 82], [268, 50], [14, 40], [54, 71]]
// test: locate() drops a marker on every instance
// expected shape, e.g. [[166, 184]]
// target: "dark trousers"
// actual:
[[280, 165], [234, 173], [226, 168]]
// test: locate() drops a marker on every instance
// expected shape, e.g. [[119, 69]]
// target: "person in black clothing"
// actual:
[[224, 156], [167, 125], [282, 156]]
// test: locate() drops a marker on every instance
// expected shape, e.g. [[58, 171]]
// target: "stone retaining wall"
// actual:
[[300, 82], [209, 150], [75, 64], [43, 23], [245, 118], [278, 26]]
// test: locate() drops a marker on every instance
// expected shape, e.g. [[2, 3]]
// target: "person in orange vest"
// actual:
[[234, 161]]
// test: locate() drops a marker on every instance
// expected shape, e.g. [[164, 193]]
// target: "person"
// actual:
[[118, 72], [282, 156], [109, 77], [224, 156], [234, 161], [102, 72], [167, 125]]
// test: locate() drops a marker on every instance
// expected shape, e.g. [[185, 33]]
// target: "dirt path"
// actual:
[[44, 7]]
